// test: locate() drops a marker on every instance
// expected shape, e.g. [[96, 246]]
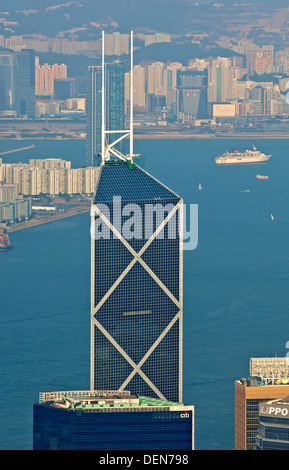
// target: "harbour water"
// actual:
[[235, 285]]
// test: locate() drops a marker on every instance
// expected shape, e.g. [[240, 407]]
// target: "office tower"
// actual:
[[115, 101], [136, 276], [8, 84], [136, 320], [64, 88], [93, 124], [192, 94], [268, 380], [114, 97], [110, 420], [156, 103], [26, 83], [259, 101], [273, 430]]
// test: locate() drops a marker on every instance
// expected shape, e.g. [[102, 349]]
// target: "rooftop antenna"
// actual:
[[131, 97], [102, 103], [108, 149]]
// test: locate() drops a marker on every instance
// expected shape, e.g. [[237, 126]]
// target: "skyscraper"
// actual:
[[220, 80], [136, 290], [115, 101], [269, 378], [26, 83], [93, 125], [114, 97], [111, 420], [192, 95], [8, 84]]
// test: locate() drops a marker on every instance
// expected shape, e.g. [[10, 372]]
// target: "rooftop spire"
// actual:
[[109, 148]]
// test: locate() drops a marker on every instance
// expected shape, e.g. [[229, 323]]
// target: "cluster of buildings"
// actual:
[[135, 400], [50, 176], [206, 89], [13, 206], [17, 84], [116, 43], [136, 395], [262, 406], [201, 90]]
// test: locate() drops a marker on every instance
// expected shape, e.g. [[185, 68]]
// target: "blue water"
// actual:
[[235, 285]]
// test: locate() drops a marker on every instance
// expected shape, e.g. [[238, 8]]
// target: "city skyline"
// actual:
[[125, 110]]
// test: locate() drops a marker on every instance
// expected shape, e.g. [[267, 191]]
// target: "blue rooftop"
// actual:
[[132, 183]]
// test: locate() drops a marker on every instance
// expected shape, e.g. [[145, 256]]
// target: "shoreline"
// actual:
[[167, 135], [47, 219]]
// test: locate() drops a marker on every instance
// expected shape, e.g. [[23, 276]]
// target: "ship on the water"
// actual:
[[262, 177], [5, 244], [237, 157]]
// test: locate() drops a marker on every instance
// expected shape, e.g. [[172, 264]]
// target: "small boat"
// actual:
[[5, 244], [272, 217], [200, 186], [261, 177]]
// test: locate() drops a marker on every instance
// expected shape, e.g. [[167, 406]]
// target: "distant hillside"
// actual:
[[169, 52], [163, 52], [53, 17]]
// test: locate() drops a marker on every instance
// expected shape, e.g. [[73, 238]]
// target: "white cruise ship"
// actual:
[[237, 157]]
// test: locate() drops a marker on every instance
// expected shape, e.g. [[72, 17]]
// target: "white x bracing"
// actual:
[[137, 257]]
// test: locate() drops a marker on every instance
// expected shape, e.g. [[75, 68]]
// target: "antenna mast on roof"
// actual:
[[108, 149]]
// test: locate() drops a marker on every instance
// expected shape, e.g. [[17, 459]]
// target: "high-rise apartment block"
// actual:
[[268, 380], [111, 420], [156, 38], [49, 176], [45, 75], [116, 44], [114, 98], [136, 290], [220, 81]]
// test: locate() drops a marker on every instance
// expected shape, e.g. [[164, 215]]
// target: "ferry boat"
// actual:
[[237, 157], [5, 244], [261, 177]]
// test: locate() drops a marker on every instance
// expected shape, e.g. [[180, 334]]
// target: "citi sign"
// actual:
[[185, 415], [277, 411]]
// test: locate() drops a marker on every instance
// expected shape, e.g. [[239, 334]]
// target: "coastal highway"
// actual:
[[48, 218]]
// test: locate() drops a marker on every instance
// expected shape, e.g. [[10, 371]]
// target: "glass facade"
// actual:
[[93, 126], [136, 285], [273, 434], [273, 431], [8, 84], [121, 429], [193, 93], [26, 83], [114, 105]]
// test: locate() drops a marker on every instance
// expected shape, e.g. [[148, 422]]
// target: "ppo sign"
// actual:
[[277, 411]]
